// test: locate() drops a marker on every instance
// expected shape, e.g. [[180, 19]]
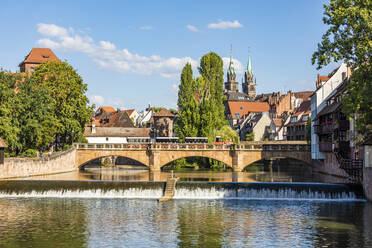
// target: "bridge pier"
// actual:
[[154, 160]]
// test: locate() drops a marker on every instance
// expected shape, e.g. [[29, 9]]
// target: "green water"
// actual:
[[58, 222]]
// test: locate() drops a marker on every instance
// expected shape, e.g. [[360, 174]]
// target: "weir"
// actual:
[[183, 190]]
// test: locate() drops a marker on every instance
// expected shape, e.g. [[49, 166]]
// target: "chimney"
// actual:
[[93, 128]]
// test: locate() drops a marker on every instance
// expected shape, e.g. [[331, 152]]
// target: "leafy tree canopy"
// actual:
[[349, 39]]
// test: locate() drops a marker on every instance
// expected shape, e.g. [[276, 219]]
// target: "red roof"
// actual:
[[163, 113], [107, 109], [40, 55], [244, 108], [129, 111]]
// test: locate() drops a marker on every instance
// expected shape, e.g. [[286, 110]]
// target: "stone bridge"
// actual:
[[156, 155]]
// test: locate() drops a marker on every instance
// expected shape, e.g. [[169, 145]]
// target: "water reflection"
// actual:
[[256, 173], [184, 223]]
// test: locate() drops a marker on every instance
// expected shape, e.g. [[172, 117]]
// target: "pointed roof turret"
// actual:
[[231, 69], [249, 66]]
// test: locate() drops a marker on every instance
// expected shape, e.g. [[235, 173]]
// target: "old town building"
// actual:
[[35, 57], [297, 127], [162, 124]]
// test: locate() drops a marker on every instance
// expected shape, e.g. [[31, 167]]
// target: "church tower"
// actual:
[[231, 84], [249, 85]]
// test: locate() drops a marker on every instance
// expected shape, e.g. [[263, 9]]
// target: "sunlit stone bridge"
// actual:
[[157, 155]]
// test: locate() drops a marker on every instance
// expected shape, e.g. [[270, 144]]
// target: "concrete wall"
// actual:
[[22, 167]]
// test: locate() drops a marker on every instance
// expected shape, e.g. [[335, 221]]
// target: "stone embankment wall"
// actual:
[[367, 172], [23, 167], [330, 166]]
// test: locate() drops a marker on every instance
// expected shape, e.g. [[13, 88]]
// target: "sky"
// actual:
[[131, 53]]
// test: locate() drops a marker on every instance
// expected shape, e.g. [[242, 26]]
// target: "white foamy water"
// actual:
[[194, 193]]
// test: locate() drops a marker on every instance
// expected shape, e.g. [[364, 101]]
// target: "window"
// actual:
[[294, 119], [237, 115], [305, 117], [241, 108], [32, 69], [106, 138]]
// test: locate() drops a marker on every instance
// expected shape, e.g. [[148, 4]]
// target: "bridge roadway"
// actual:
[[156, 155]]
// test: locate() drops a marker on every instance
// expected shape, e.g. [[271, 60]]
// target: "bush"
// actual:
[[30, 153]]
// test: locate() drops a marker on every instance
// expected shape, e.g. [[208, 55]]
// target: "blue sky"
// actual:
[[130, 53]]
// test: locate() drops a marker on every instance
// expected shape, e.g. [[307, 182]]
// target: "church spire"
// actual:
[[231, 70], [249, 65]]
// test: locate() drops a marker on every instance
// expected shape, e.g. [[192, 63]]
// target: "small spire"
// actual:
[[231, 69], [249, 65]]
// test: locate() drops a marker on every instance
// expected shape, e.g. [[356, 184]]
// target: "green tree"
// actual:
[[67, 90], [188, 117], [10, 109], [349, 38], [211, 95], [38, 122]]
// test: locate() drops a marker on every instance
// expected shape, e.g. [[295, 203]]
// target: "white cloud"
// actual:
[[97, 99], [192, 28], [107, 55], [146, 28], [51, 30], [225, 25]]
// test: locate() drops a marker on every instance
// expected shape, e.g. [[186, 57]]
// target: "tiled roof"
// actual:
[[163, 113], [129, 111], [244, 108], [3, 144], [117, 132], [304, 108], [236, 96], [305, 95], [40, 55], [107, 109]]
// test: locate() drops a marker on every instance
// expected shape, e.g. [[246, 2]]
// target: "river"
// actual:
[[82, 218]]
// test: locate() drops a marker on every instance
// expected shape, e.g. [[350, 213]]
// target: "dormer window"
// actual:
[[241, 108], [237, 115], [45, 56]]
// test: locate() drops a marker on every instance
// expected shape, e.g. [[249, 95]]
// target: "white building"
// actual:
[[115, 135], [143, 117], [318, 102]]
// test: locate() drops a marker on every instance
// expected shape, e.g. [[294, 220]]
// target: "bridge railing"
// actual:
[[193, 146]]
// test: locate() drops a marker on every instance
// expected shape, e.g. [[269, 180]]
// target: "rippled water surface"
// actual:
[[54, 222]]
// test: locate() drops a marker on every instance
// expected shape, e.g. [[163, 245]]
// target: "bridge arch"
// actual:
[[85, 156], [221, 156]]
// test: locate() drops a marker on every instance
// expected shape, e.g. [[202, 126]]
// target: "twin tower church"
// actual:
[[249, 84]]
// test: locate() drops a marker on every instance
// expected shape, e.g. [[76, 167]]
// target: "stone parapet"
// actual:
[[23, 167]]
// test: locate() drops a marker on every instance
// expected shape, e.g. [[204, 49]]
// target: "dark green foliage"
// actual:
[[349, 39], [50, 107], [71, 107]]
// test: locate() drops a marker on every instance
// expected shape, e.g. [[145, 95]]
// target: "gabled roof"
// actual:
[[304, 108], [129, 111], [163, 113], [305, 95], [40, 55], [3, 144], [244, 108], [106, 109]]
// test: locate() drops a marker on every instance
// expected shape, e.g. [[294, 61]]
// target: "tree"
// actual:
[[10, 107], [188, 118], [67, 90], [211, 95], [349, 39]]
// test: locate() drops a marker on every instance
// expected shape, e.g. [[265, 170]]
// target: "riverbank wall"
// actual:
[[329, 166], [22, 167], [367, 171]]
